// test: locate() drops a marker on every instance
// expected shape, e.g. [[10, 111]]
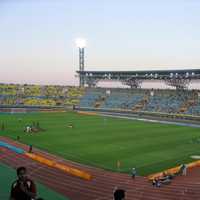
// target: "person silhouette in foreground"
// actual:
[[119, 194], [23, 188]]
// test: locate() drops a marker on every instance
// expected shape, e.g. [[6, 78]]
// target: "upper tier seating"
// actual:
[[112, 98], [166, 101], [90, 98], [122, 100], [169, 103], [195, 110], [48, 95]]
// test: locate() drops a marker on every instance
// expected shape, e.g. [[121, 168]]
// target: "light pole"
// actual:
[[81, 43]]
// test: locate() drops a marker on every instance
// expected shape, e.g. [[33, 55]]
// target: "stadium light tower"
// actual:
[[81, 43]]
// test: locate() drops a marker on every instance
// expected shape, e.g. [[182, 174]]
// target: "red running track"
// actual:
[[101, 187]]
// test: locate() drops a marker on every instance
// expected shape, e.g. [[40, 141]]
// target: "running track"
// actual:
[[101, 187]]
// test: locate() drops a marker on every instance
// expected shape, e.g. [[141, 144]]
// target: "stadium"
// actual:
[[85, 142], [104, 132]]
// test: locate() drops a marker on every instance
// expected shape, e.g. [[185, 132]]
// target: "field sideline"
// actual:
[[102, 141]]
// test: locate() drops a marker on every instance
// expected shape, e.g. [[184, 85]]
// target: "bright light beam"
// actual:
[[80, 43]]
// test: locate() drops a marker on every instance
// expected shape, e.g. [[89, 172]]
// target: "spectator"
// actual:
[[184, 169], [165, 179], [23, 188], [119, 194], [156, 182]]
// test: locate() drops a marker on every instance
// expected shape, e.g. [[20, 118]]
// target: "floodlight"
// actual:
[[80, 43]]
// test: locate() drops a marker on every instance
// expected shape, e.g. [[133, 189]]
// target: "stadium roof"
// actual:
[[149, 74]]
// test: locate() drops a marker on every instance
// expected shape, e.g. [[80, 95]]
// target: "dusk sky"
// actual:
[[37, 37]]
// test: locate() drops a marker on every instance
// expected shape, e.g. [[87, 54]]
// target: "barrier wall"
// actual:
[[11, 147], [141, 113], [174, 170], [48, 162], [51, 163], [86, 113]]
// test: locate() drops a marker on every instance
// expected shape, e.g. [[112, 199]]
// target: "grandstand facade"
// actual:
[[143, 100], [133, 99], [178, 101]]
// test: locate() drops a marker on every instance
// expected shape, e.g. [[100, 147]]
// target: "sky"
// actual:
[[37, 37]]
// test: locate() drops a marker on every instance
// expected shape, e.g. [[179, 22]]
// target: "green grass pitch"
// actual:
[[102, 141]]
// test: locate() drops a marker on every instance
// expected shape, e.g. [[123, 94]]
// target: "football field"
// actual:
[[104, 141]]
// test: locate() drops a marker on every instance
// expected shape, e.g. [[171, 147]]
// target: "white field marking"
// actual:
[[118, 115], [196, 157]]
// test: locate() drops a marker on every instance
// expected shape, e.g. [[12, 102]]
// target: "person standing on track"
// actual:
[[30, 148], [133, 172]]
